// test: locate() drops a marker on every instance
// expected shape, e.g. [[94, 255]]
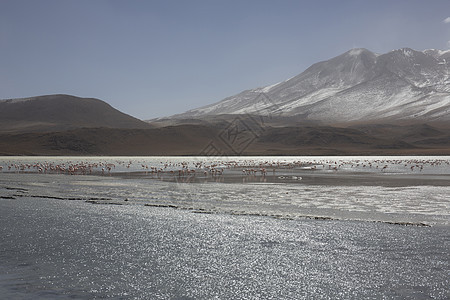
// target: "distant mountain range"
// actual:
[[356, 87], [61, 112], [358, 103]]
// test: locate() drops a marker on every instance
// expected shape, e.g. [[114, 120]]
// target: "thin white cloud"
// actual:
[[447, 20]]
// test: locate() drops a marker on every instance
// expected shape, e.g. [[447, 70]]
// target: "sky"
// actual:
[[158, 58]]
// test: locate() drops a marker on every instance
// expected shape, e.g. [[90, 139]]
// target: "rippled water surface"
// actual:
[[228, 228]]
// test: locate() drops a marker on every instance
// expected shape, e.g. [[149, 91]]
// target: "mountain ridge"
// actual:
[[358, 85], [358, 103]]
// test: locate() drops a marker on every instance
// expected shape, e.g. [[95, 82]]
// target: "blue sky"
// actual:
[[157, 58]]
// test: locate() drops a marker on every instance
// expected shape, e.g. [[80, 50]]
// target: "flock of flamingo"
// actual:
[[217, 168]]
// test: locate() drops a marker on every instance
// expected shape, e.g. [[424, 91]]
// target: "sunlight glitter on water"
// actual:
[[70, 249]]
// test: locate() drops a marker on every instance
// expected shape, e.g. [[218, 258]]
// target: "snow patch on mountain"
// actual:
[[268, 88], [436, 53], [355, 52]]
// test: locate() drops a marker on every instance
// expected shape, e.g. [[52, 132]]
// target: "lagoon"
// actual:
[[237, 227]]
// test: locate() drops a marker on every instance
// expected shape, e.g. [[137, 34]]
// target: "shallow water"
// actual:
[[227, 236], [387, 189], [55, 249]]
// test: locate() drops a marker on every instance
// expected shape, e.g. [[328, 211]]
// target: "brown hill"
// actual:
[[183, 140], [209, 141], [61, 112]]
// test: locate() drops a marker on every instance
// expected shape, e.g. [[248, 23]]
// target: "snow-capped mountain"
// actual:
[[356, 86]]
